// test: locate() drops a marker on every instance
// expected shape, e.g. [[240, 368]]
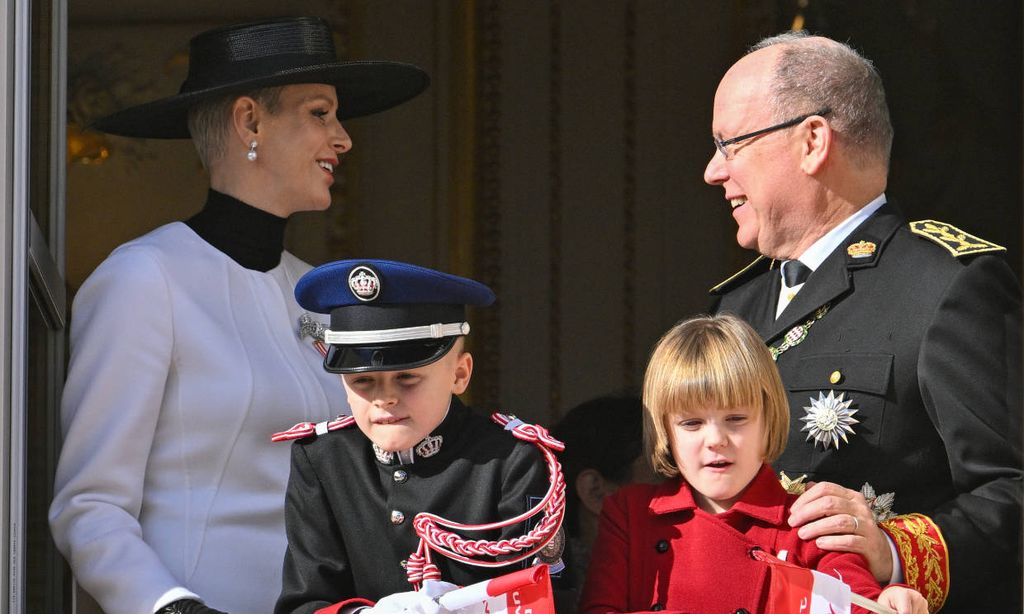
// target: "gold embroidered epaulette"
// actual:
[[924, 556], [741, 273], [956, 241]]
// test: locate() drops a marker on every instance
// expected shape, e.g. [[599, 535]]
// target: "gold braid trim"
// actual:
[[923, 554]]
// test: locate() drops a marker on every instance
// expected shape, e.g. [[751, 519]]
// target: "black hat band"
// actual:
[[221, 74], [232, 54]]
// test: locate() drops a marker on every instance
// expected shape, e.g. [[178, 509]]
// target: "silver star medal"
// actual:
[[829, 419]]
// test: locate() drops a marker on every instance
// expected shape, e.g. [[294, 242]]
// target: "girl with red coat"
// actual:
[[715, 416]]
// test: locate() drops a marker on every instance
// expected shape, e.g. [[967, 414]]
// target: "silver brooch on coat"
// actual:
[[829, 419], [311, 327], [881, 505]]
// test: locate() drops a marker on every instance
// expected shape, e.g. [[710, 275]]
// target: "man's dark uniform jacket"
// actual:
[[344, 538], [923, 334]]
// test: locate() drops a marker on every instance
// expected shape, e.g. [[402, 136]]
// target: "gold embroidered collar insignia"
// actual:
[[861, 249]]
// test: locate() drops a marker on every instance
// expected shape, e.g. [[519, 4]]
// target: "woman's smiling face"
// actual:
[[300, 146]]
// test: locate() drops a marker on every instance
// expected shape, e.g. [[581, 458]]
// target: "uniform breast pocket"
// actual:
[[825, 390]]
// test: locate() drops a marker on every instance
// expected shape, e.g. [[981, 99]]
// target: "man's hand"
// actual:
[[839, 519]]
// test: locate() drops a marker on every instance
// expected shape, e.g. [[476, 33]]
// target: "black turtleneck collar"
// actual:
[[251, 237]]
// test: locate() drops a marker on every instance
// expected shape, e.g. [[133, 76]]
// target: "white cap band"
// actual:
[[359, 337]]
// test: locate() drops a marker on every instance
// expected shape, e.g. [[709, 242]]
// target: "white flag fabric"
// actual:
[[796, 590], [527, 591]]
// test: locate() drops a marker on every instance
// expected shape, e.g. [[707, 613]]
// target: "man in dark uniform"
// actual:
[[411, 446], [899, 343]]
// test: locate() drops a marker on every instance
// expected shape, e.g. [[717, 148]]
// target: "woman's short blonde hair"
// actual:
[[209, 121], [711, 362]]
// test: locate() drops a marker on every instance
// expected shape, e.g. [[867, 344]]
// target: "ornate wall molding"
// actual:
[[488, 220]]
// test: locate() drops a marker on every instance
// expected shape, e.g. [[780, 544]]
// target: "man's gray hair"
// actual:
[[209, 121], [812, 74]]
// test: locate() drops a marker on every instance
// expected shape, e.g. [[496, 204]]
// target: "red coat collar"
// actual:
[[764, 499]]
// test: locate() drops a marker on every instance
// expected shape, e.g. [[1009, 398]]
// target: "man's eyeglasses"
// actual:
[[722, 145]]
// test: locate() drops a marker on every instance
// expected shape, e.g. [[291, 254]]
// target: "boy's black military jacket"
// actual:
[[928, 348], [349, 516]]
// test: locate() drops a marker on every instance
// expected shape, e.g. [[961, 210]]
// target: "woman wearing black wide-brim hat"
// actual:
[[186, 353]]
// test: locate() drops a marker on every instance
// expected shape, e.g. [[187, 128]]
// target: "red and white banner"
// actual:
[[796, 590], [523, 592]]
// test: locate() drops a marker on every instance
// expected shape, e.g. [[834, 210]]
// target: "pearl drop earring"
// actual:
[[251, 155]]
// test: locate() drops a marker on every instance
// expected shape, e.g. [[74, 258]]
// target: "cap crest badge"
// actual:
[[364, 283]]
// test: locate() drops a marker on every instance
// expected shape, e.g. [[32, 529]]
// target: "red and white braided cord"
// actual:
[[432, 537]]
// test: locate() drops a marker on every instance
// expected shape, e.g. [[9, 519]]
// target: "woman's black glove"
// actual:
[[187, 606]]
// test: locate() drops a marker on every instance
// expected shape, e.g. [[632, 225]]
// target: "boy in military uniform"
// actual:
[[396, 338]]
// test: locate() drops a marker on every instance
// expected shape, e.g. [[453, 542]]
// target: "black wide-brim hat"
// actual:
[[242, 58]]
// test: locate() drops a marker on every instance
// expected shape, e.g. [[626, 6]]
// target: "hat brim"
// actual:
[[386, 357], [363, 88]]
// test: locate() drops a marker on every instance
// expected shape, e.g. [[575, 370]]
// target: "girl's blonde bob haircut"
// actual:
[[711, 362]]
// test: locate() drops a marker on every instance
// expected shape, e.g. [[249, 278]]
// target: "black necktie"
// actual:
[[795, 272]]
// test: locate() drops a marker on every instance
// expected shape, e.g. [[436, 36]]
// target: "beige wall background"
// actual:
[[558, 156]]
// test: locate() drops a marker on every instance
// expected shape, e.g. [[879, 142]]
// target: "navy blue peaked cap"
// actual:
[[386, 315]]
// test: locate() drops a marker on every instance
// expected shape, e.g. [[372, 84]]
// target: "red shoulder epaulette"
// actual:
[[306, 429], [527, 432]]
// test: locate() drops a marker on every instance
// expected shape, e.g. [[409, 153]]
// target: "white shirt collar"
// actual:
[[820, 249]]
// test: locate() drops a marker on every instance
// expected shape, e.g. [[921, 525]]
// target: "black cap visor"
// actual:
[[386, 357]]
